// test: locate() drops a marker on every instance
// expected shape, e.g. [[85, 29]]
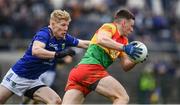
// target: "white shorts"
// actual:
[[19, 85], [48, 77]]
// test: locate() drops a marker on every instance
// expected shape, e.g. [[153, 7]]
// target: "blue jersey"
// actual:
[[32, 67]]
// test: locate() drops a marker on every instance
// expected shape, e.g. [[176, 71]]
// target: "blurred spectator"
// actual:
[[136, 3], [178, 84], [164, 76], [147, 84], [57, 3]]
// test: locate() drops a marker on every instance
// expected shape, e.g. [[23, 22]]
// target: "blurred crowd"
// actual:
[[21, 18], [157, 25]]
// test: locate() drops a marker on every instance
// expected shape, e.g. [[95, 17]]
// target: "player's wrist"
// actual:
[[127, 49], [57, 55], [54, 54], [64, 53], [60, 54], [121, 47]]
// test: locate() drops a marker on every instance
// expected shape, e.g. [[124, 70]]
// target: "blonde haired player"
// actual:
[[48, 45]]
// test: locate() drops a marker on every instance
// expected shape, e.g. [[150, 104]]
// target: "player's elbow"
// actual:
[[126, 68], [99, 41]]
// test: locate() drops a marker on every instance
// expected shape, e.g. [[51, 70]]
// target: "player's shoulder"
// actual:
[[44, 31], [109, 26], [70, 37], [67, 36]]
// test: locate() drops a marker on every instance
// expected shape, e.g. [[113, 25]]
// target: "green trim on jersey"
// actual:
[[96, 55]]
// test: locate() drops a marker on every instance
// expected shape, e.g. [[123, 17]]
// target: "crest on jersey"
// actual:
[[63, 46]]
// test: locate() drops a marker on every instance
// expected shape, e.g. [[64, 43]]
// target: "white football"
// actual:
[[144, 54]]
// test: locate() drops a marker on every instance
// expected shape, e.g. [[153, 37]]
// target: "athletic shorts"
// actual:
[[48, 77], [84, 76], [19, 85]]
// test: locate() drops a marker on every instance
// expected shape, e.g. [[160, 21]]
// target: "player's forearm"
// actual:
[[126, 63], [107, 42], [128, 67], [83, 43], [86, 43], [43, 53]]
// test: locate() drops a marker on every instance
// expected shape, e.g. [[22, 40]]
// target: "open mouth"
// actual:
[[62, 34]]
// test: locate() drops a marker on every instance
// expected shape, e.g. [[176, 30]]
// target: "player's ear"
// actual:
[[52, 23], [123, 22]]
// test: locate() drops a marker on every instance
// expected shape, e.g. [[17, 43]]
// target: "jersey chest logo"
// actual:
[[114, 53], [63, 46], [55, 46]]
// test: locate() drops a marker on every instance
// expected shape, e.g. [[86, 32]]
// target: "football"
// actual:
[[144, 54]]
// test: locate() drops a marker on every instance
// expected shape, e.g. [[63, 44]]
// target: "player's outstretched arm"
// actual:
[[64, 53], [83, 43], [39, 51]]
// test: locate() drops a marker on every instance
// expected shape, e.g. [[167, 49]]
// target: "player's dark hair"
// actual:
[[124, 13]]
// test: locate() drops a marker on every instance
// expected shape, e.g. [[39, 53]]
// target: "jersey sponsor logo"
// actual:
[[113, 53], [55, 46]]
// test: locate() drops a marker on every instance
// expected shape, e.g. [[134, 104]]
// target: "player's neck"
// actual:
[[50, 29], [119, 27]]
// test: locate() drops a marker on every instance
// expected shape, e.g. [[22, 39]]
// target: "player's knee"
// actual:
[[124, 98], [55, 100], [121, 99]]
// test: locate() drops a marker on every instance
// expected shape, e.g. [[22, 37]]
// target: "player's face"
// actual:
[[127, 26], [60, 29]]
